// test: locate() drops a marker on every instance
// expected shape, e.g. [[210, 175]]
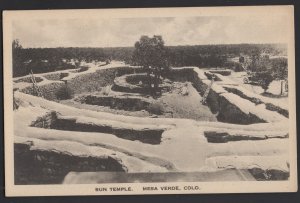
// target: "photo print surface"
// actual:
[[150, 101]]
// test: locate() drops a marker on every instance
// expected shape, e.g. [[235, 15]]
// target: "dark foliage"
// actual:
[[151, 54], [280, 68], [265, 70], [64, 92], [50, 59]]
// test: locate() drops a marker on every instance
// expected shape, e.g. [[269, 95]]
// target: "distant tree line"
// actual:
[[217, 55], [50, 59]]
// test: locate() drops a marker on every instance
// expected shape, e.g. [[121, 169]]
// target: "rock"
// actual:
[[184, 91]]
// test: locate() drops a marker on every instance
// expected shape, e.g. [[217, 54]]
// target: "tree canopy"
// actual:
[[151, 54]]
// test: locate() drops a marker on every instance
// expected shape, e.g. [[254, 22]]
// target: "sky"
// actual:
[[121, 32]]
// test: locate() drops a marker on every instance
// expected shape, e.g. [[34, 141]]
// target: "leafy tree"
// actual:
[[254, 64], [16, 44], [151, 54], [262, 68], [280, 68], [265, 79], [17, 58], [241, 59]]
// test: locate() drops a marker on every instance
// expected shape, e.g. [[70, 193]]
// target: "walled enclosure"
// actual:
[[223, 99], [101, 141]]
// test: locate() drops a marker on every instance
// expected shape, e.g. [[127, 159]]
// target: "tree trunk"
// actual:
[[149, 80], [156, 80]]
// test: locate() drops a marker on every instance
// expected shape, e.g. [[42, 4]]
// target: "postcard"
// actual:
[[150, 101]]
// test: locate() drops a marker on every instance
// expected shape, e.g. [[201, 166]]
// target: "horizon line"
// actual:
[[244, 43]]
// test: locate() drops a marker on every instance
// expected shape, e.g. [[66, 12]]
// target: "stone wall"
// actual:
[[28, 79], [121, 85], [90, 82], [226, 110], [55, 76], [221, 72], [122, 103], [53, 120], [34, 166], [49, 90], [231, 113], [256, 100]]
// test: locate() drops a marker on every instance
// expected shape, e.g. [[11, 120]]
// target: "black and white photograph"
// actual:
[[150, 101]]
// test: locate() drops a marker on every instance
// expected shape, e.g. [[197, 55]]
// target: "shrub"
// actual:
[[64, 92], [156, 108], [264, 79]]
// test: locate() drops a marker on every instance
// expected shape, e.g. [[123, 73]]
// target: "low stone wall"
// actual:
[[90, 82], [34, 166], [122, 103], [81, 69], [53, 120], [49, 90], [221, 72], [28, 79], [45, 121], [256, 100], [200, 84], [210, 75], [136, 78], [224, 135], [282, 111], [241, 94], [229, 109], [121, 85], [213, 102], [128, 70], [55, 76], [230, 113]]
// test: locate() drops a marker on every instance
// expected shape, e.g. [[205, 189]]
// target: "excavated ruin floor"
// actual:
[[182, 101], [184, 146], [116, 143]]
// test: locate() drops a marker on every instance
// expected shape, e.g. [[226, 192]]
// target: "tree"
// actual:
[[262, 68], [241, 59], [17, 58], [254, 64], [151, 54], [280, 71], [265, 79], [280, 68], [16, 44]]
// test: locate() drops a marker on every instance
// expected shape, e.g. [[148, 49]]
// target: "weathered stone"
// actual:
[[230, 113], [33, 166]]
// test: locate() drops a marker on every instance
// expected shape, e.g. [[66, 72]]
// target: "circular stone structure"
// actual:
[[132, 83]]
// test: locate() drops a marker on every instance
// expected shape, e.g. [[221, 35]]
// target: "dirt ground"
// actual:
[[274, 87], [183, 101]]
